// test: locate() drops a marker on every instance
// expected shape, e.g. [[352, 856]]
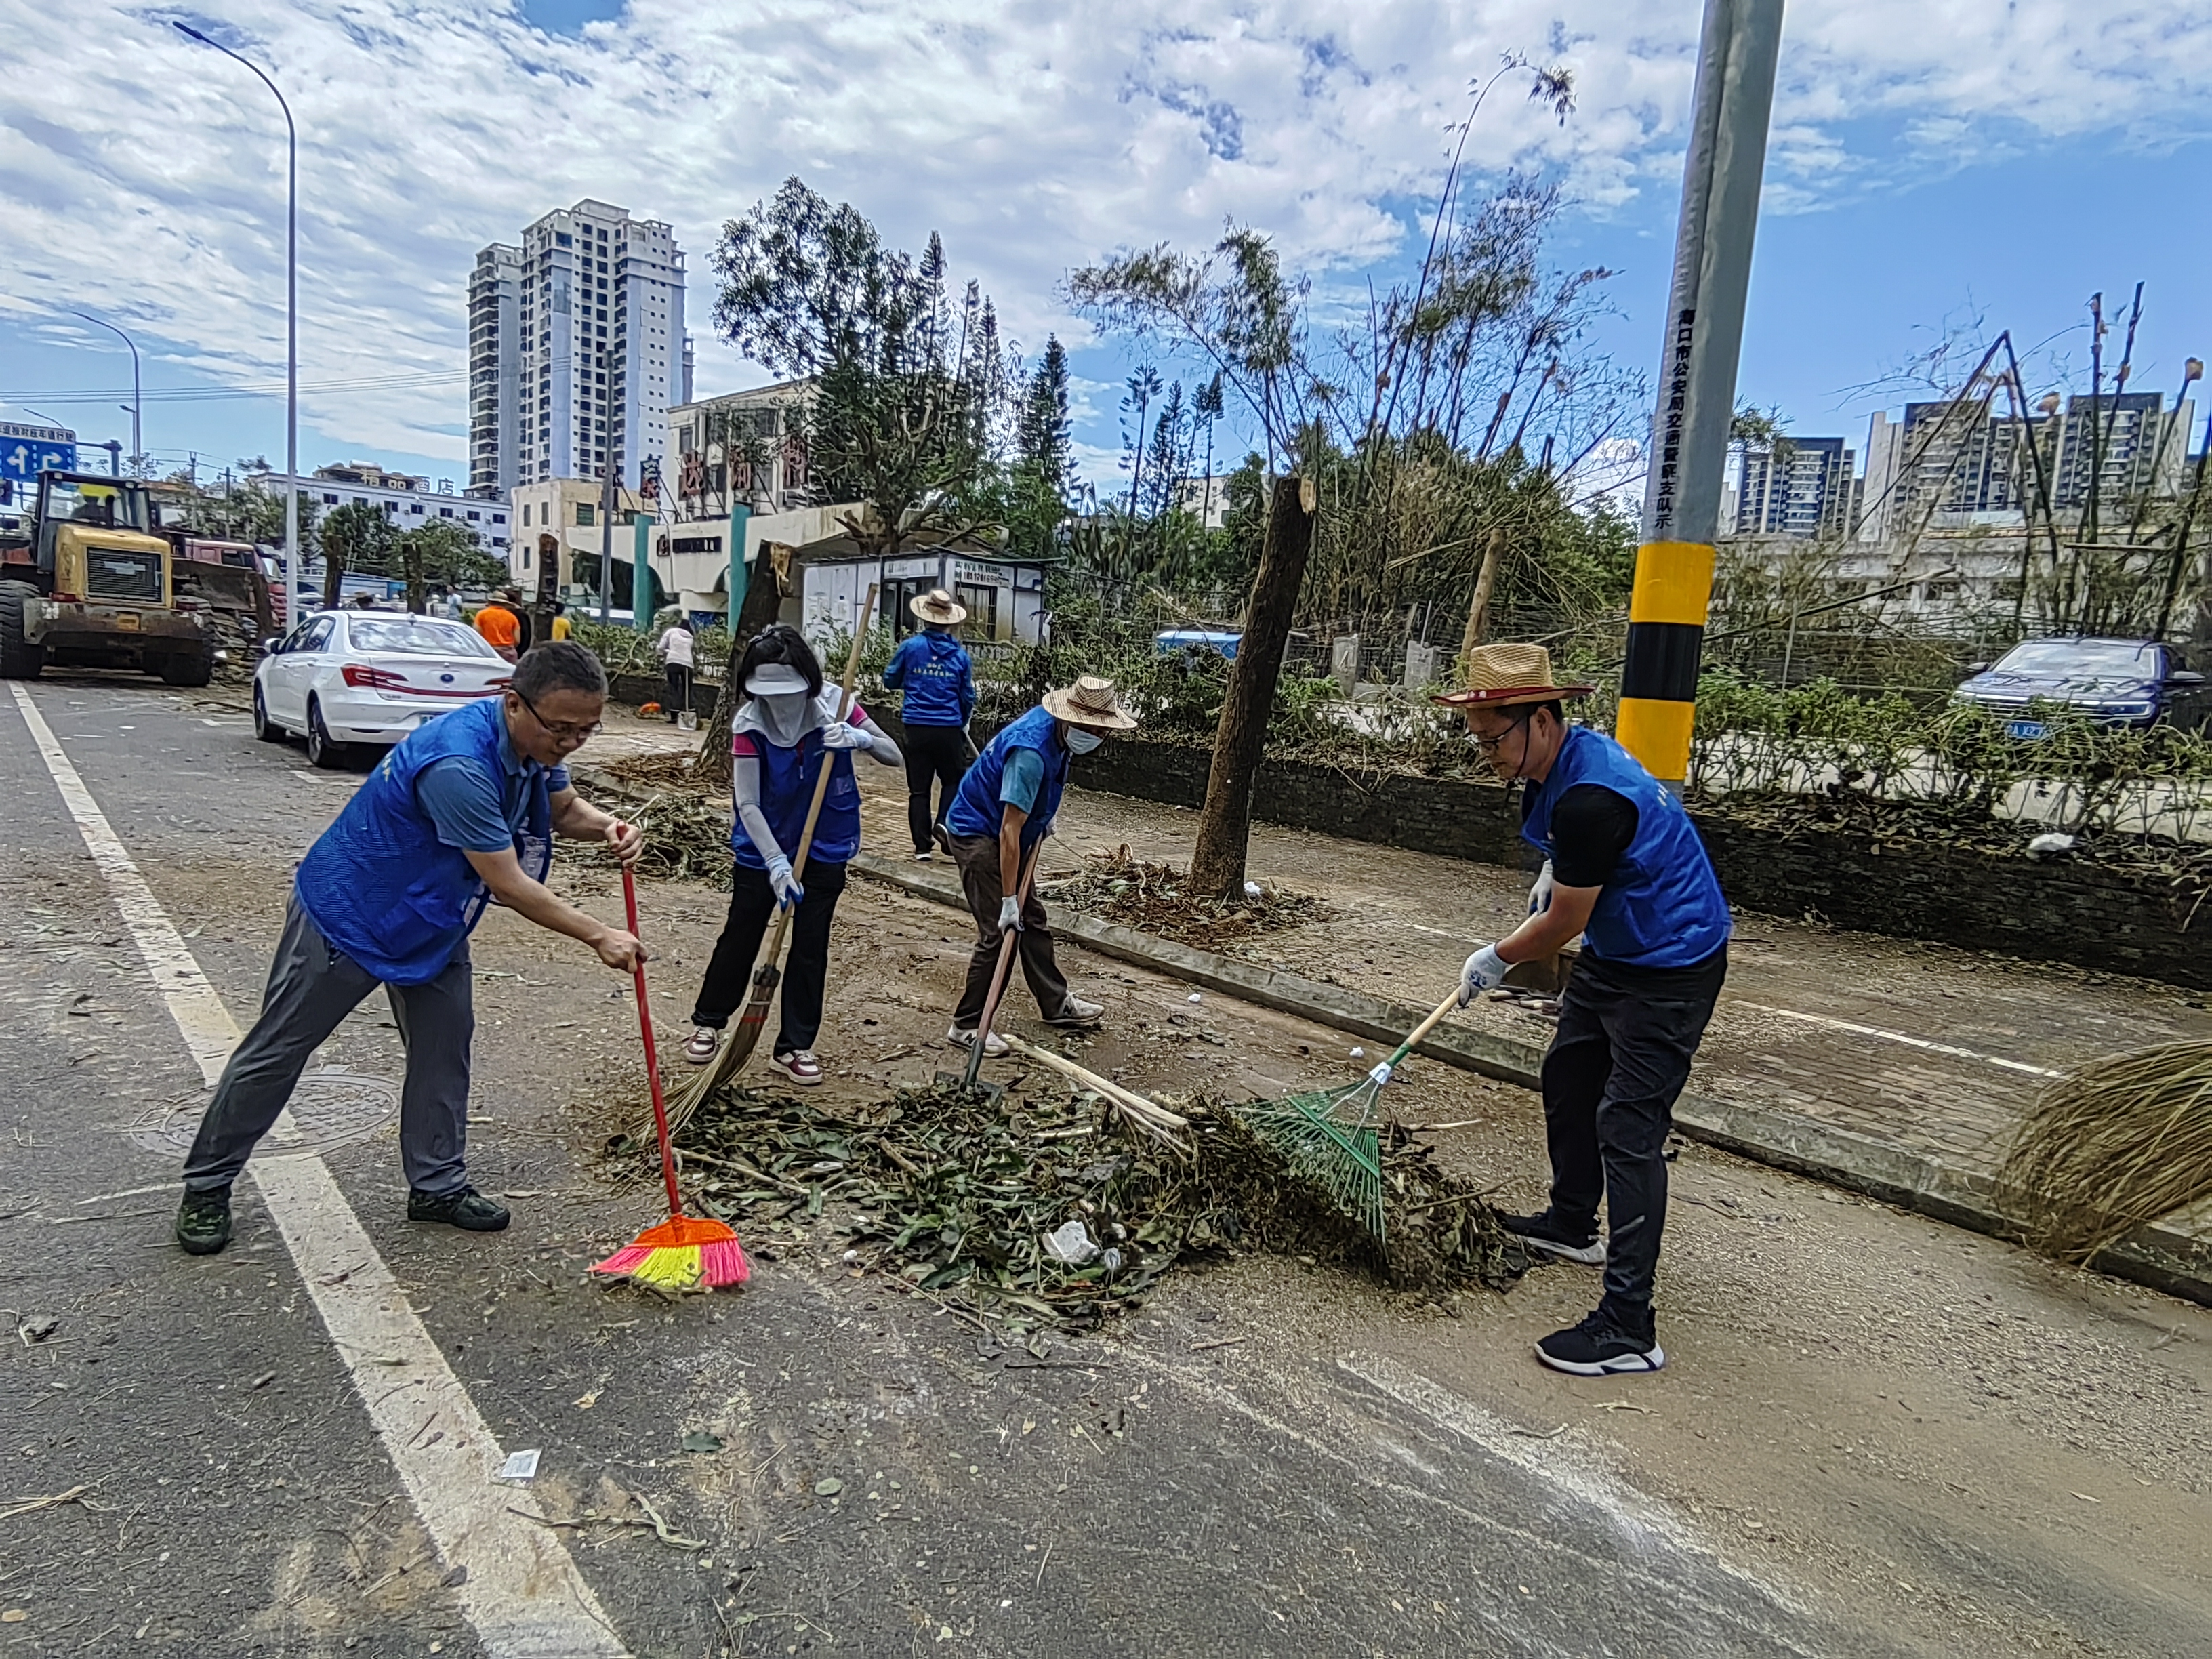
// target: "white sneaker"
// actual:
[[704, 1042], [1077, 1015], [993, 1047]]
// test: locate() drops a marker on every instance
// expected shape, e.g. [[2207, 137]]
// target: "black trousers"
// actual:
[[805, 967], [934, 754], [1626, 1040], [679, 695]]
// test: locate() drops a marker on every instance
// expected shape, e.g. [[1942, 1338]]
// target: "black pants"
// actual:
[[934, 754], [1626, 1036], [729, 975], [679, 695]]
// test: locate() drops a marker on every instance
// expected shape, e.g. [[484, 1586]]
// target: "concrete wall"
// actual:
[[2046, 910]]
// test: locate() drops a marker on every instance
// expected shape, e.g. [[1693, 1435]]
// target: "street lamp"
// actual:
[[291, 327], [137, 449]]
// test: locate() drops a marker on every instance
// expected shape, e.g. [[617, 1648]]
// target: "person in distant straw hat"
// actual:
[[1625, 869], [931, 672], [998, 819]]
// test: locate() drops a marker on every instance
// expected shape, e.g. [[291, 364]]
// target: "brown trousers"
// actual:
[[978, 858]]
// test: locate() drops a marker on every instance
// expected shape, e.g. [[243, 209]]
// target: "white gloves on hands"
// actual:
[[1539, 896], [1484, 971], [1010, 915], [845, 735], [788, 890]]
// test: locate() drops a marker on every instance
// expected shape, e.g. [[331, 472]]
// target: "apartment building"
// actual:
[[600, 350], [1802, 487], [407, 500]]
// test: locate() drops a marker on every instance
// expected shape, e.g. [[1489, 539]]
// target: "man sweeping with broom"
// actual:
[[460, 813], [1625, 869]]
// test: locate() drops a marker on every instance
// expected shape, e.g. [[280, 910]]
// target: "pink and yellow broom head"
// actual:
[[684, 1253]]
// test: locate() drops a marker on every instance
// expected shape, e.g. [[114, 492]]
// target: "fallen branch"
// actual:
[[1154, 1119], [28, 1506]]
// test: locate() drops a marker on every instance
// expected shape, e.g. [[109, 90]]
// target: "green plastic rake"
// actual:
[[1332, 1137]]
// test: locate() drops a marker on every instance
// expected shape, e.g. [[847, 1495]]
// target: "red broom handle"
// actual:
[[652, 1059]]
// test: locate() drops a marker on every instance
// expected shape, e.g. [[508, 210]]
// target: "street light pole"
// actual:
[[1703, 334], [291, 328], [138, 448]]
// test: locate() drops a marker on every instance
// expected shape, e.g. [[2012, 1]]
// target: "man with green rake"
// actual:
[[1625, 869]]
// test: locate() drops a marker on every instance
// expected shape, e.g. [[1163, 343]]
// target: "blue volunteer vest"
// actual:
[[379, 883], [786, 790], [976, 809], [931, 673], [1663, 907]]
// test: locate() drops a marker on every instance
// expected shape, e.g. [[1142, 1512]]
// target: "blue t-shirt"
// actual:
[[1023, 777], [470, 810]]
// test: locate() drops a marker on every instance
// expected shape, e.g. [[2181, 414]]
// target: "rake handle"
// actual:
[[1414, 1037], [652, 1057]]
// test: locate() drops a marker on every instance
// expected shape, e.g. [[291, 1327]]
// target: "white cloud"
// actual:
[[145, 176]]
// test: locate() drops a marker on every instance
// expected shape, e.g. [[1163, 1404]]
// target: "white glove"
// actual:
[[1539, 896], [1484, 971], [788, 890], [845, 735], [1010, 915]]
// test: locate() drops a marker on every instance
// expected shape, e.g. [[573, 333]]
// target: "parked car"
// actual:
[[348, 677], [2113, 682]]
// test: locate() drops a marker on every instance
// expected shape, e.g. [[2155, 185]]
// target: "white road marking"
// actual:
[[1933, 1047], [521, 1591]]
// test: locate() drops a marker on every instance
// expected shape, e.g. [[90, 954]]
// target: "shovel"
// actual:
[[969, 1079]]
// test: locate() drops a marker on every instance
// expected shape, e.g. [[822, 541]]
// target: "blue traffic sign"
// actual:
[[27, 450]]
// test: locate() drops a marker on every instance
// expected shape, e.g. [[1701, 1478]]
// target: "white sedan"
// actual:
[[349, 677]]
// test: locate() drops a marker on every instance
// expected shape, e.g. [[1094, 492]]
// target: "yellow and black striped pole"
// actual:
[[1688, 455]]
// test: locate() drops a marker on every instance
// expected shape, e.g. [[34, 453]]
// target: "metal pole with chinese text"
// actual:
[[1704, 334]]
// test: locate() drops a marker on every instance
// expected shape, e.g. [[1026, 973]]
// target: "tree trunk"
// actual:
[[764, 596], [411, 561], [1225, 825], [334, 570], [1478, 608]]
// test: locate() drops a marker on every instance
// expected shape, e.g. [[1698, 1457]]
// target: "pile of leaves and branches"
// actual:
[[622, 649], [958, 1199], [687, 829], [1154, 899]]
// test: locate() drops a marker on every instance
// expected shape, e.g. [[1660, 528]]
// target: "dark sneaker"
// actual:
[[1541, 1232], [203, 1222], [1600, 1347], [464, 1207]]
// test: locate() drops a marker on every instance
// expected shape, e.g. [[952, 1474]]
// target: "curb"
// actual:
[[2161, 1255]]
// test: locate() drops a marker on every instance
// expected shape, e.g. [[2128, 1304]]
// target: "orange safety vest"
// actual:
[[499, 625]]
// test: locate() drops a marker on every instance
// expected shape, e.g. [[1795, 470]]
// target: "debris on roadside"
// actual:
[[687, 835], [1051, 1209], [1151, 898]]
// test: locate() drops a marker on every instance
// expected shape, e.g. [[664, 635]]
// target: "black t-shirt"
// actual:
[[1591, 828]]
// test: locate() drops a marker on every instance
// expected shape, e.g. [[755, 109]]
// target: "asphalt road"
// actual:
[[887, 1480]]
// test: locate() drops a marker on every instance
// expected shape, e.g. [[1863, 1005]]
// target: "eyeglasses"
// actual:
[[564, 731], [1491, 745]]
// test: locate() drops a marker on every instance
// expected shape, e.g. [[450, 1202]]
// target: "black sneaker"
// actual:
[[203, 1222], [1541, 1232], [1600, 1347], [464, 1207]]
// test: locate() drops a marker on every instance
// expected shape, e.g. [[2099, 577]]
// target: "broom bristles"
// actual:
[[684, 1254], [2116, 1145]]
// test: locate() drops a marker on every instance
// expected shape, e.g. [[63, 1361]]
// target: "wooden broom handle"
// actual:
[[1424, 1028]]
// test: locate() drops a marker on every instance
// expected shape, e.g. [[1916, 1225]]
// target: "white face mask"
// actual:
[[1080, 742], [786, 716]]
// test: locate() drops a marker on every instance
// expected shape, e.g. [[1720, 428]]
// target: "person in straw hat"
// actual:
[[931, 672], [1002, 813], [1625, 869]]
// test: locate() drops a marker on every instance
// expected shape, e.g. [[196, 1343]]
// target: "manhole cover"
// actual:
[[329, 1109]]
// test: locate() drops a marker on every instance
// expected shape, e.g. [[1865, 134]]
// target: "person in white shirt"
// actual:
[[675, 653]]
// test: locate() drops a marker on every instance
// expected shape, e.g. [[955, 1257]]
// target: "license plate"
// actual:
[[2030, 729], [127, 620]]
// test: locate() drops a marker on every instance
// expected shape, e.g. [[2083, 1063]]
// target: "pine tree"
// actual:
[[1041, 443]]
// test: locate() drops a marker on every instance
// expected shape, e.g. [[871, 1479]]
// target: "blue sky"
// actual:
[[1932, 160]]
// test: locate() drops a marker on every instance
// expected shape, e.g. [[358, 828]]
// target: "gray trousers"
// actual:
[[312, 985]]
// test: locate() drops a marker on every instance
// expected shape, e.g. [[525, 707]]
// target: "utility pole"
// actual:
[[607, 542], [137, 398], [1703, 335]]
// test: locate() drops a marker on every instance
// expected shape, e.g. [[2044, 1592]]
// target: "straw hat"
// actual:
[[1090, 701], [939, 607], [1504, 676]]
